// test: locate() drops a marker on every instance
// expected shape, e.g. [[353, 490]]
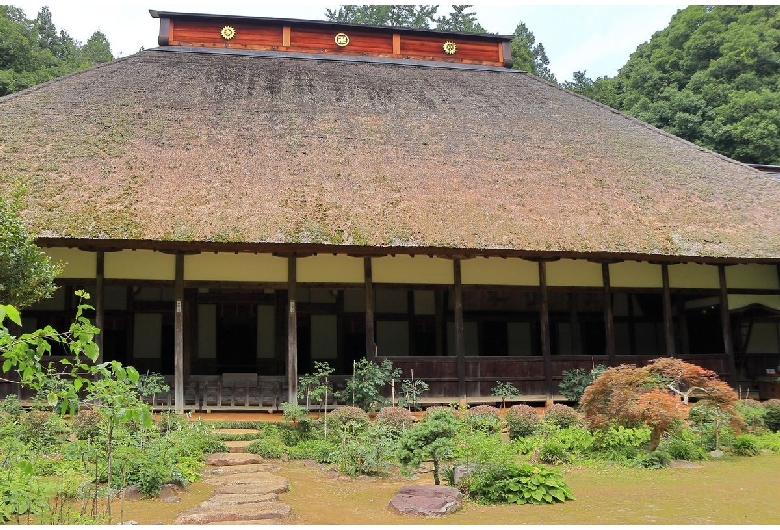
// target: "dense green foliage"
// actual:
[[33, 51], [407, 16], [512, 483], [574, 382], [26, 273], [368, 382], [712, 76]]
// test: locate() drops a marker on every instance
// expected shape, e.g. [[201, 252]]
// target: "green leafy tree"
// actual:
[[407, 16], [460, 20], [431, 440], [528, 55], [711, 77], [505, 390], [33, 50], [364, 389], [26, 273]]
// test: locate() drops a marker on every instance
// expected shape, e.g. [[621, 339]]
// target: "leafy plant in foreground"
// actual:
[[512, 483]]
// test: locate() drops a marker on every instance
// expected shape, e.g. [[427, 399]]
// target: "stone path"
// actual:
[[247, 493]]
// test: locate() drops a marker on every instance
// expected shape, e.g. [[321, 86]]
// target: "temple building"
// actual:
[[258, 194]]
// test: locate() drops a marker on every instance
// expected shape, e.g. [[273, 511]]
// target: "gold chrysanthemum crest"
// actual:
[[228, 32], [450, 47]]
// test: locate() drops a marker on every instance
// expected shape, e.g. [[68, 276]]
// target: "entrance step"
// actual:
[[238, 446]]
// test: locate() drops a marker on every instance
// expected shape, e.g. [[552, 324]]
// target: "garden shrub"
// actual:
[[745, 445], [752, 413], [42, 429], [10, 405], [456, 413], [522, 420], [170, 421], [267, 447], [321, 451], [348, 421], [574, 382], [768, 440], [398, 419], [772, 414], [714, 425], [485, 418], [370, 453], [87, 423], [562, 416], [620, 443], [513, 483], [684, 444], [653, 460], [552, 451]]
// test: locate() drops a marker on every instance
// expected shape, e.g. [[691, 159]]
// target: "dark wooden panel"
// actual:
[[198, 32]]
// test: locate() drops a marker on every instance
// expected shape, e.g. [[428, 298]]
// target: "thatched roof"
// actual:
[[262, 148]]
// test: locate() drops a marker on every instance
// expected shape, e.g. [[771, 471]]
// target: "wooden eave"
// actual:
[[305, 249], [233, 32]]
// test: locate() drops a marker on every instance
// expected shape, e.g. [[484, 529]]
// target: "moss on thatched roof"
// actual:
[[176, 146]]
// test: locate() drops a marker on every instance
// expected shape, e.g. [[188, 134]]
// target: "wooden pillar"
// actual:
[[370, 324], [668, 327], [99, 304], [576, 334], [544, 318], [726, 324], [609, 324], [460, 342], [178, 360], [292, 332]]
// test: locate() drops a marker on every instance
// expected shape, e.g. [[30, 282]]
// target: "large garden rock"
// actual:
[[431, 501], [233, 459]]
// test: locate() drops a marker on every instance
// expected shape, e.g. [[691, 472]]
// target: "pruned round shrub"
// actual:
[[562, 416], [522, 420], [87, 424], [42, 428], [398, 419], [321, 451], [441, 408], [485, 418], [348, 420], [772, 414], [10, 404], [745, 445]]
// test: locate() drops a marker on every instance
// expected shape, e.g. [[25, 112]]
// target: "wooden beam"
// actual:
[[544, 318], [178, 360], [99, 304], [668, 324], [460, 342], [286, 36], [725, 321], [369, 287], [609, 324], [292, 331], [396, 44]]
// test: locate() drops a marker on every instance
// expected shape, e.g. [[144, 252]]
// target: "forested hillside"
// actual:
[[33, 51], [711, 77]]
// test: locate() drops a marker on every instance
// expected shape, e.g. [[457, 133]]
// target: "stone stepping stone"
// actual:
[[269, 484], [426, 500], [237, 446], [237, 431], [229, 500], [233, 459], [259, 477], [240, 512], [240, 469]]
